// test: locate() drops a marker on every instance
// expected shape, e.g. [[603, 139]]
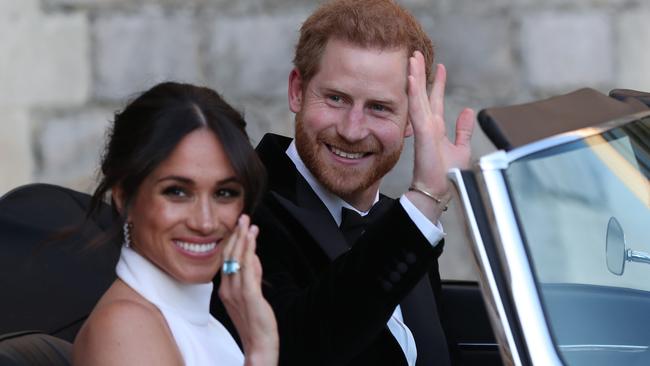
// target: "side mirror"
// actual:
[[615, 252], [615, 247]]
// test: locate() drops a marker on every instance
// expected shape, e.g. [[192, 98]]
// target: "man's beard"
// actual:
[[343, 181]]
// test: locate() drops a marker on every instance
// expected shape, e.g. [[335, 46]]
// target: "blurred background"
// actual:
[[66, 66]]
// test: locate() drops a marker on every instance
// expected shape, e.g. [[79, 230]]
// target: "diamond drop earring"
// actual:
[[127, 234]]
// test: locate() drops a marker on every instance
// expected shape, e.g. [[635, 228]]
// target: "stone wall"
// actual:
[[67, 65]]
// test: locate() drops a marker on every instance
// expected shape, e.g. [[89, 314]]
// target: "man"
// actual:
[[359, 87]]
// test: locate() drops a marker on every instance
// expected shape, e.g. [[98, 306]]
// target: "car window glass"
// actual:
[[564, 199]]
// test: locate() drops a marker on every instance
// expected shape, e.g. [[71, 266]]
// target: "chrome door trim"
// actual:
[[517, 270], [494, 304], [603, 348]]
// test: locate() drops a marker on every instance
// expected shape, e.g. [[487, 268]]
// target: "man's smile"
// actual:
[[345, 154]]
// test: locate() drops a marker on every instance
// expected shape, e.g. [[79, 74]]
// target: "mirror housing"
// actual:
[[615, 252], [615, 247]]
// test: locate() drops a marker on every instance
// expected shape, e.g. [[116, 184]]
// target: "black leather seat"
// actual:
[[35, 349], [46, 283]]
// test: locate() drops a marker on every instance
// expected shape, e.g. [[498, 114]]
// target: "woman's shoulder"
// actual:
[[128, 315], [125, 329], [119, 304]]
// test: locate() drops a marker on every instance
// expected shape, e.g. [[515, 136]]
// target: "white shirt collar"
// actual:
[[333, 202]]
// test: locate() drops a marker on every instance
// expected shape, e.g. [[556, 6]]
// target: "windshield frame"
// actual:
[[501, 159]]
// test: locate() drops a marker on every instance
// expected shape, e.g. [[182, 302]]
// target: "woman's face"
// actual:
[[186, 208]]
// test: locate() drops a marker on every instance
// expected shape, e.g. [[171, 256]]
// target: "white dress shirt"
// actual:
[[433, 233]]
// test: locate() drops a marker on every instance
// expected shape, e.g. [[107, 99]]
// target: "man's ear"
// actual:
[[117, 195], [295, 91]]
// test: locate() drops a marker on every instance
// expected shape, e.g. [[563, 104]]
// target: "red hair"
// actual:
[[379, 24]]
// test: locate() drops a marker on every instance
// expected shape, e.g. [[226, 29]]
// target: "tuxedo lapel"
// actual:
[[421, 316], [291, 190], [319, 224]]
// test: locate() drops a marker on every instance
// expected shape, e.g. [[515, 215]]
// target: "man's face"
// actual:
[[351, 118]]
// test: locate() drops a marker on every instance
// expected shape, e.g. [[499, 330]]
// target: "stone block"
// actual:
[[53, 4], [251, 56], [580, 4], [477, 51], [563, 51], [70, 146], [134, 51], [16, 158], [11, 8], [263, 116], [128, 5], [247, 8], [44, 60], [448, 7], [633, 53]]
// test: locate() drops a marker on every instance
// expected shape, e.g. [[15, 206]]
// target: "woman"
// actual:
[[182, 177]]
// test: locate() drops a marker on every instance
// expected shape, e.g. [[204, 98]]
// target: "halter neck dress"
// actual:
[[201, 339]]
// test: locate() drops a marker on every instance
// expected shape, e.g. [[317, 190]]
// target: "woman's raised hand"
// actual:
[[241, 293]]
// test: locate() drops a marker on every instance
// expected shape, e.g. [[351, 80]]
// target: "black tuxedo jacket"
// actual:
[[332, 302]]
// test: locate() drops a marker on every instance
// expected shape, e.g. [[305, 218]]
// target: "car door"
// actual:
[[559, 230]]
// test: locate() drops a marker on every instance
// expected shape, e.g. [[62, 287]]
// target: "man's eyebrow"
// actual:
[[386, 102], [329, 90], [382, 101]]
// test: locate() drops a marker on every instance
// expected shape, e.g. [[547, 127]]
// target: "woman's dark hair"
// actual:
[[146, 132]]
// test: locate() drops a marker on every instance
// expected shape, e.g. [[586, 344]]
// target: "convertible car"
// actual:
[[555, 216], [558, 218]]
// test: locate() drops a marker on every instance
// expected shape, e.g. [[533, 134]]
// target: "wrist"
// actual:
[[268, 357], [440, 199], [264, 351]]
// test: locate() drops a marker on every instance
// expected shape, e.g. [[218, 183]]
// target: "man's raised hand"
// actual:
[[434, 153]]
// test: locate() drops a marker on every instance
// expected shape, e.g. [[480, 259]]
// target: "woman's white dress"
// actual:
[[201, 339]]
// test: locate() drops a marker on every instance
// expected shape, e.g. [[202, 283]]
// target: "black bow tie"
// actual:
[[354, 225]]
